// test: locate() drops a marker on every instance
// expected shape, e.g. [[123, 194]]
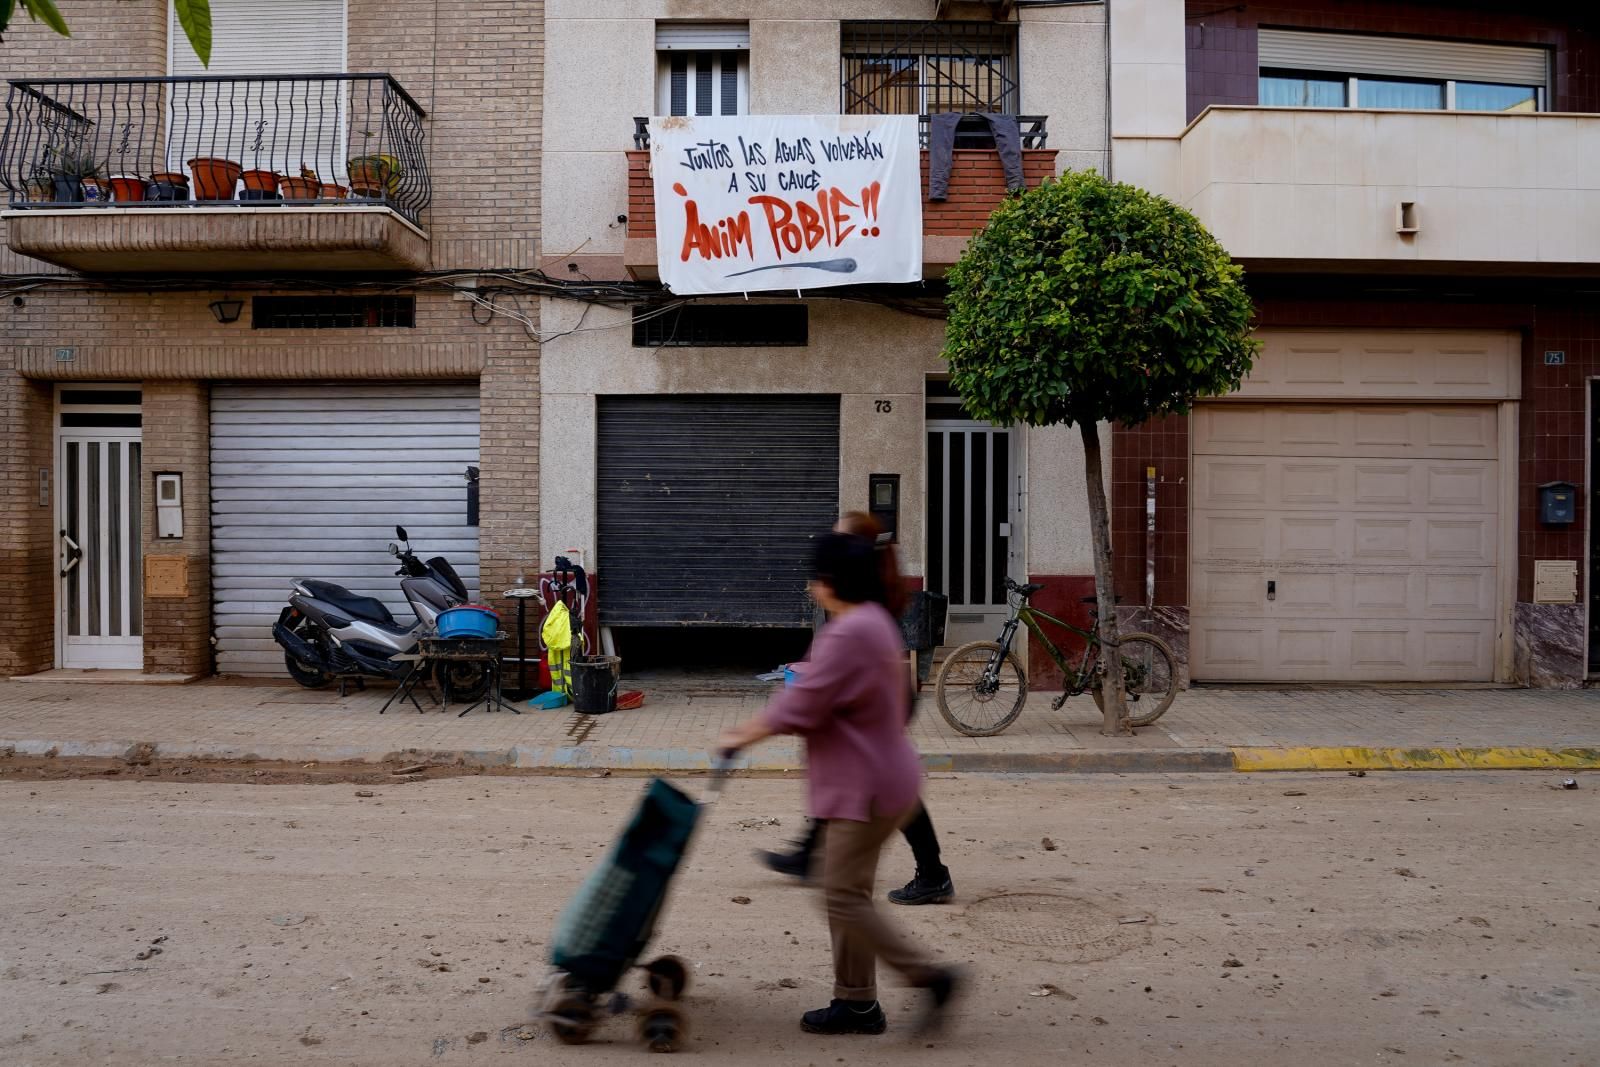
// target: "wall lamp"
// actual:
[[227, 310]]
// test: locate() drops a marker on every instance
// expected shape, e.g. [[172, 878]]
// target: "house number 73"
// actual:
[[883, 407]]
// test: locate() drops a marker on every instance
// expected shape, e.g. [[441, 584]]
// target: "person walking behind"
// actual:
[[850, 703], [931, 884]]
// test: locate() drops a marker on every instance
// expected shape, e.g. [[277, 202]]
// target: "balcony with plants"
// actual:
[[216, 173]]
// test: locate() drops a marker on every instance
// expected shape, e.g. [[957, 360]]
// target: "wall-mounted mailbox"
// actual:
[[169, 505], [883, 501], [1558, 503]]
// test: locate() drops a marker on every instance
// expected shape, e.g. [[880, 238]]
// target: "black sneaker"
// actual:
[[945, 988], [794, 864], [845, 1017], [925, 889]]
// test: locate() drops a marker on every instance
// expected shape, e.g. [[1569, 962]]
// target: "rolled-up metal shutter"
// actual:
[[708, 506], [1403, 57], [702, 36], [309, 481]]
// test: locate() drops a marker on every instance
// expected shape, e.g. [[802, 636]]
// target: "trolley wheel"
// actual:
[[667, 977], [570, 1017], [662, 1028]]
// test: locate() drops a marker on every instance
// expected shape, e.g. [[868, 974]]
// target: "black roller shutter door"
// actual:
[[708, 506]]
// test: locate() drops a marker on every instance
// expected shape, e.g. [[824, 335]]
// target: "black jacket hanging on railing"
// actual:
[[942, 141]]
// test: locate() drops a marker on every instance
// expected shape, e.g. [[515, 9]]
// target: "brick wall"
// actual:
[[1223, 63], [27, 531], [176, 437], [977, 186]]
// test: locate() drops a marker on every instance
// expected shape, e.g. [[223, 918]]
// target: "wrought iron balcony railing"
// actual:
[[292, 139], [971, 133]]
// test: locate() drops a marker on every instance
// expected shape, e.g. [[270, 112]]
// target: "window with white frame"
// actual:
[[703, 68], [1300, 68]]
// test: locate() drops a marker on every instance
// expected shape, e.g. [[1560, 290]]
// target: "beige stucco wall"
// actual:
[[600, 73]]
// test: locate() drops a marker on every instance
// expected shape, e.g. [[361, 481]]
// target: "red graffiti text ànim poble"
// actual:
[[792, 225]]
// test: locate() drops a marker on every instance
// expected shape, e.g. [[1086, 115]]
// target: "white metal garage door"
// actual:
[[309, 481], [1343, 541]]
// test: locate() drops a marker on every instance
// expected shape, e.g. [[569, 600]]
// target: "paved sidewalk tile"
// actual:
[[236, 719]]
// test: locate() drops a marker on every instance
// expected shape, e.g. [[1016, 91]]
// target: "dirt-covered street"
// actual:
[[1412, 918]]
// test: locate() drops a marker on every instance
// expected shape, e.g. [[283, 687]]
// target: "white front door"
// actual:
[[99, 549], [969, 525]]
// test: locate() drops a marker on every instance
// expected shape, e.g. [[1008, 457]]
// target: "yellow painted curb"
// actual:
[[1501, 758]]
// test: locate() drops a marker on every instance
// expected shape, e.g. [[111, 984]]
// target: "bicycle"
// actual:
[[995, 686]]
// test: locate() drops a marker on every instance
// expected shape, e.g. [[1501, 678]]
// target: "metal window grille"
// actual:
[[218, 139], [721, 326], [332, 312], [920, 68]]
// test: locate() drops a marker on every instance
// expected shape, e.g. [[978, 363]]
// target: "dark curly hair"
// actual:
[[849, 564]]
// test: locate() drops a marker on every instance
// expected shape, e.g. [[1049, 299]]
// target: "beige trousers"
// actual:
[[861, 935]]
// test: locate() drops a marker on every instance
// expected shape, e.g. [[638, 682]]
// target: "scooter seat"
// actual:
[[366, 608]]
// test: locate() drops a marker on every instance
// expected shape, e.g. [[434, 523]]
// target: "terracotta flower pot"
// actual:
[[300, 188], [127, 188], [331, 191], [214, 179], [260, 181], [366, 192]]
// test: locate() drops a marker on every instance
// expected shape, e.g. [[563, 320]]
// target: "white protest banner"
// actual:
[[746, 203]]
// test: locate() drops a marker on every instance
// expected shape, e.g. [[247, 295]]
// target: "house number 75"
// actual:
[[883, 407]]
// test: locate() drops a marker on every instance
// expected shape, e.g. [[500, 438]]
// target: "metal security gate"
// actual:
[[708, 505], [309, 481], [969, 524]]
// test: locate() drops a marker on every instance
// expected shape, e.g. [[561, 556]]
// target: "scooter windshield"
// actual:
[[446, 573]]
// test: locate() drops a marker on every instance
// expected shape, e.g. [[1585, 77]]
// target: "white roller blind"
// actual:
[[278, 126], [703, 36], [266, 37], [1403, 57]]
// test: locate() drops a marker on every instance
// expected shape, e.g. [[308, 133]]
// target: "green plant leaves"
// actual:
[[44, 11], [195, 18], [1086, 299]]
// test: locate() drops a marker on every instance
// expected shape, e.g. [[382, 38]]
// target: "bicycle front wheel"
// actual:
[[981, 689], [1149, 675]]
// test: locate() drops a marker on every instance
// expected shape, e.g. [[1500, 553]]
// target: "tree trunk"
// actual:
[[1114, 699]]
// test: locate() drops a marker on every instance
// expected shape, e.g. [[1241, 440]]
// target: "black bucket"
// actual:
[[594, 684]]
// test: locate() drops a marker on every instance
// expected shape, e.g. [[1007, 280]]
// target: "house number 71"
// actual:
[[883, 407]]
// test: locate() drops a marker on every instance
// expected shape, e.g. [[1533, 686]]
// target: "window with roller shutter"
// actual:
[[702, 68], [283, 123]]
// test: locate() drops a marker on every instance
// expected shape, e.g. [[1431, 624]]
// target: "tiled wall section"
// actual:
[[1222, 57], [1552, 429]]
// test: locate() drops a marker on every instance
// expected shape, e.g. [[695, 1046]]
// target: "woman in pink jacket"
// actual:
[[850, 704]]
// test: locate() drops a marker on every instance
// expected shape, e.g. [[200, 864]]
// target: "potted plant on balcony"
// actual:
[[334, 191], [302, 189], [75, 174], [126, 188], [259, 185], [374, 176], [214, 178]]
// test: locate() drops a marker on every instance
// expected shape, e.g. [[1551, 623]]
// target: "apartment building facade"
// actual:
[[234, 348], [1400, 490], [691, 447]]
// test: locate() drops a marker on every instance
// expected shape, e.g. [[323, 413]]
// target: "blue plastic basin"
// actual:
[[469, 620]]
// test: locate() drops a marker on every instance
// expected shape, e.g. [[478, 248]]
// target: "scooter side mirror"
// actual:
[[400, 532], [394, 549]]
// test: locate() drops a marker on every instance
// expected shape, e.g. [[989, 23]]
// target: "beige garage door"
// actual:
[[1342, 541]]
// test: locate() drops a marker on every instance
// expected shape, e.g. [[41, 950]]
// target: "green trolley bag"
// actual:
[[608, 923]]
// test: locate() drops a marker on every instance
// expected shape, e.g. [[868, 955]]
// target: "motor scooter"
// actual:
[[328, 632]]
